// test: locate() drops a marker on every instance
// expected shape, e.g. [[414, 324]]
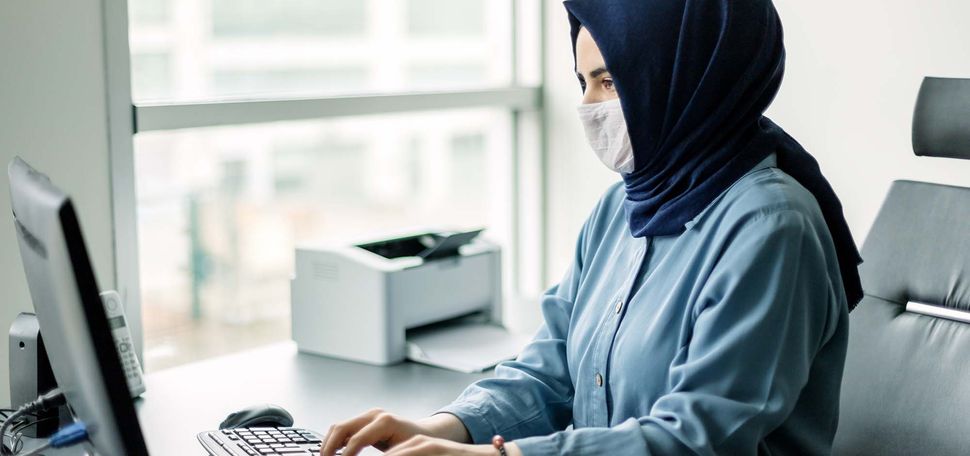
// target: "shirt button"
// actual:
[[599, 380], [619, 306]]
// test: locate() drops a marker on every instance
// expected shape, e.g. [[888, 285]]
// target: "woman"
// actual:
[[706, 307]]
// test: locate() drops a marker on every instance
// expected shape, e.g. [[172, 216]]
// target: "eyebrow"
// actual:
[[593, 74]]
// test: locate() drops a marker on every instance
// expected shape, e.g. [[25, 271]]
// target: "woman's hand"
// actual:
[[385, 431], [422, 445]]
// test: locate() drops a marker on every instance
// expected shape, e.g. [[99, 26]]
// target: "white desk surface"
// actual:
[[318, 391]]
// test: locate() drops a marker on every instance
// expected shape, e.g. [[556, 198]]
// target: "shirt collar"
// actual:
[[771, 161]]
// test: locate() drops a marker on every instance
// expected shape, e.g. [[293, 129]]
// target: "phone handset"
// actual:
[[115, 310]]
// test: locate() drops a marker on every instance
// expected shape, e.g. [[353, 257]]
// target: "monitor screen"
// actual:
[[76, 330]]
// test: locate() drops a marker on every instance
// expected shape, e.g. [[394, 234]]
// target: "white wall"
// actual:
[[854, 69], [53, 114], [853, 73]]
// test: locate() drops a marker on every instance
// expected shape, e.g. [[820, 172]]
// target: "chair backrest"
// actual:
[[906, 388]]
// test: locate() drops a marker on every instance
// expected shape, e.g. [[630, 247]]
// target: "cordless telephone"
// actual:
[[115, 311]]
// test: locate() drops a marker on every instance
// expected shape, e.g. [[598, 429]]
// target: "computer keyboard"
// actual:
[[259, 441]]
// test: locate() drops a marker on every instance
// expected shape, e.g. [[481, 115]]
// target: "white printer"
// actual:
[[358, 302]]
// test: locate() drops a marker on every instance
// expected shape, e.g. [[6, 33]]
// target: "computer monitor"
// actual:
[[72, 320]]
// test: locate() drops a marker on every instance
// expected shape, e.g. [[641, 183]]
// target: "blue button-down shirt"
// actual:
[[728, 338]]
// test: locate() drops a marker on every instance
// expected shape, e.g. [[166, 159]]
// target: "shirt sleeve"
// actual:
[[759, 319], [532, 395]]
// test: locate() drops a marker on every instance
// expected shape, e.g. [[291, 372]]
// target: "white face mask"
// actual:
[[607, 134]]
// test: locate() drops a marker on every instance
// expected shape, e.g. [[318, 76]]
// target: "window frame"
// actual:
[[174, 116], [524, 101]]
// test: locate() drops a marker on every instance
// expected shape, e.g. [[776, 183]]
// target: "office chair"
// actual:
[[906, 388]]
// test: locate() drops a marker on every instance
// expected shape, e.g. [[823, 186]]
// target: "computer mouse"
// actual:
[[262, 415]]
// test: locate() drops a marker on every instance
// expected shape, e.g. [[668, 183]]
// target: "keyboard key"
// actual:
[[266, 441]]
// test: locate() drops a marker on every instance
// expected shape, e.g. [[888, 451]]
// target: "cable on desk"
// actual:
[[6, 413], [19, 429], [64, 437], [18, 423], [15, 432], [51, 399]]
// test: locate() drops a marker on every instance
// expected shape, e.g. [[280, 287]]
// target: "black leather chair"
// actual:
[[906, 389]]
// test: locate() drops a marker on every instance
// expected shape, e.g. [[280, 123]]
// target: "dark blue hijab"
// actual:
[[694, 78]]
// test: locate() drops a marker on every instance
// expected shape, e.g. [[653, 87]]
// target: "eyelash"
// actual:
[[607, 84]]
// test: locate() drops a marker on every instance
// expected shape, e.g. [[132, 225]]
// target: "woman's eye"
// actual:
[[608, 84]]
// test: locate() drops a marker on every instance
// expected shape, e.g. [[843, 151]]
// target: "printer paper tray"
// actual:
[[465, 347]]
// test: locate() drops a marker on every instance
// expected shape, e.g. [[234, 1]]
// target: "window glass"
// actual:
[[144, 12], [221, 209], [219, 49], [251, 18], [435, 18], [151, 73]]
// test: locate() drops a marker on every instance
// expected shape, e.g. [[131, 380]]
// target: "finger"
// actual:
[[326, 437], [339, 433], [379, 429]]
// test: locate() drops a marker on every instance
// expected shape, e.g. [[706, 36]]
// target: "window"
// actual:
[[258, 18], [256, 48], [440, 18], [261, 126], [221, 209]]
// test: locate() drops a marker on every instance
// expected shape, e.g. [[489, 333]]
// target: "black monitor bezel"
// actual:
[[102, 340], [32, 191]]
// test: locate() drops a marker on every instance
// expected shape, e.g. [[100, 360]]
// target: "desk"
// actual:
[[183, 401], [318, 391]]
